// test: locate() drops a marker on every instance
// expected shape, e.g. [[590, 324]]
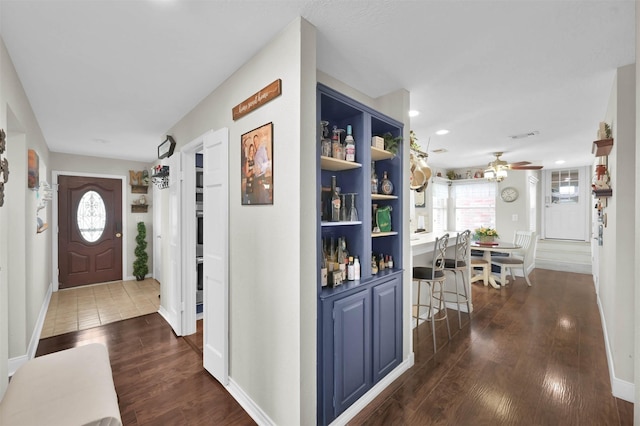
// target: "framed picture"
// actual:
[[419, 199], [256, 157], [33, 166]]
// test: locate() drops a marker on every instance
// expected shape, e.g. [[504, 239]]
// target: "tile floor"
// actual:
[[89, 306]]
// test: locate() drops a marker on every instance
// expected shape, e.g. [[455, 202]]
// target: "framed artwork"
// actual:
[[256, 157], [33, 166]]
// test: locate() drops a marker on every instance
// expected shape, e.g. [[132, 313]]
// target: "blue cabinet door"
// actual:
[[352, 346], [387, 327]]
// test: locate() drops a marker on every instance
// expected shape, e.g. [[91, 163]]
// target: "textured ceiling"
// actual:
[[107, 78]]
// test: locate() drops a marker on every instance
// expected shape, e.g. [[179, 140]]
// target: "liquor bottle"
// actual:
[[350, 148], [374, 265], [390, 262], [341, 258], [351, 270], [323, 267], [386, 186], [374, 178], [326, 141], [356, 268], [336, 144], [335, 201], [381, 264]]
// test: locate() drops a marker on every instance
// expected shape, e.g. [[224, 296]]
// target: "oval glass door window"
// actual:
[[92, 216]]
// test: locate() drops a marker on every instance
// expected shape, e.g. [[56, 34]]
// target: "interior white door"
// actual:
[[171, 298], [157, 236], [216, 249], [566, 204]]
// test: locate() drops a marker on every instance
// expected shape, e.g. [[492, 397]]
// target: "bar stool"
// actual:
[[434, 277], [459, 266]]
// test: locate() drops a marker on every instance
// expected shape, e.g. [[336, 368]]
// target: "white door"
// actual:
[[216, 248], [565, 204], [171, 297], [157, 236]]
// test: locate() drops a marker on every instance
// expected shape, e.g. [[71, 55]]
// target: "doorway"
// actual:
[[566, 204], [89, 215]]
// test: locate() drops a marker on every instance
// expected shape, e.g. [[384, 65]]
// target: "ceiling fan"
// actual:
[[497, 169]]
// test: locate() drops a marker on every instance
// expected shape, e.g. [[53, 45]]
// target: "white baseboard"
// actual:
[[368, 397], [619, 388], [248, 404], [15, 363]]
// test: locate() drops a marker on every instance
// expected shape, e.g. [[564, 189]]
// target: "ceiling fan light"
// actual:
[[489, 174], [502, 173]]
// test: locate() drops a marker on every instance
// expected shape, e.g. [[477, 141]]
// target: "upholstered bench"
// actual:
[[70, 387]]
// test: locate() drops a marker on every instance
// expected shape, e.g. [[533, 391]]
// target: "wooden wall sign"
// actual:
[[257, 100]]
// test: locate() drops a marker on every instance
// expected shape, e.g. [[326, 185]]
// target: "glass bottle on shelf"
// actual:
[[356, 267], [323, 267], [325, 144], [344, 216], [386, 186], [374, 265], [353, 212], [350, 145], [336, 144], [335, 201], [341, 258], [374, 178]]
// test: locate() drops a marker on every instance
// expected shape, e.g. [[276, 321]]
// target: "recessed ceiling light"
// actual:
[[560, 162], [414, 113], [442, 132]]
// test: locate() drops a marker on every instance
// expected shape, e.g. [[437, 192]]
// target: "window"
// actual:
[[440, 197], [91, 216], [475, 205], [564, 186]]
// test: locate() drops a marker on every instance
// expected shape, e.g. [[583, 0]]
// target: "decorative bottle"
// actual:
[[323, 267], [351, 270], [341, 259], [335, 201], [326, 141], [350, 148], [374, 265], [356, 268], [386, 186], [374, 178]]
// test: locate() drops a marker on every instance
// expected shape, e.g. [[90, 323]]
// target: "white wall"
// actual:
[[112, 167], [617, 254], [267, 285], [23, 283]]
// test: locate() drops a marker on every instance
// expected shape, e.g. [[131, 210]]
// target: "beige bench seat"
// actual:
[[70, 387]]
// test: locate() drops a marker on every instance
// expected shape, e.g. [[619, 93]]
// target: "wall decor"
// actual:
[[33, 166], [258, 99], [4, 165], [165, 149], [256, 160]]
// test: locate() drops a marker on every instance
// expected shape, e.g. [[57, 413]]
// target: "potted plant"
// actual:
[[140, 268], [391, 142], [486, 235]]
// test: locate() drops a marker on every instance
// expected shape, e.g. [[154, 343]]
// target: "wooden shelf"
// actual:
[[335, 165], [383, 234], [602, 147], [378, 197], [139, 208], [349, 223], [603, 192], [380, 154], [139, 189]]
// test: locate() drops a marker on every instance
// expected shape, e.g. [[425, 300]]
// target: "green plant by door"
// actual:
[[140, 267]]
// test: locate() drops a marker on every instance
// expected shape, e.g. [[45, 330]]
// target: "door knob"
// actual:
[[118, 235]]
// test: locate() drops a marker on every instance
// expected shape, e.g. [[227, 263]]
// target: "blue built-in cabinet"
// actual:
[[359, 322]]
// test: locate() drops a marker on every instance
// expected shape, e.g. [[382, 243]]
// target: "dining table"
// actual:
[[491, 247]]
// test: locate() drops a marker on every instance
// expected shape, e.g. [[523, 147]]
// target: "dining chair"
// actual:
[[434, 277], [459, 265], [521, 258]]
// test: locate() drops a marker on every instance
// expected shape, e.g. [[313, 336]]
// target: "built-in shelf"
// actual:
[[343, 223], [139, 208], [380, 154], [383, 234], [603, 192], [139, 189], [602, 147], [383, 197], [336, 165]]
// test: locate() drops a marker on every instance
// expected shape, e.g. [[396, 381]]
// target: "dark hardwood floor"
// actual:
[[158, 377], [530, 356]]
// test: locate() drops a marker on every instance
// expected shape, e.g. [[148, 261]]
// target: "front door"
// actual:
[[566, 204], [90, 230]]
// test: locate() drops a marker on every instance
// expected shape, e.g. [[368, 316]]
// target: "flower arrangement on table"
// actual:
[[483, 234]]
